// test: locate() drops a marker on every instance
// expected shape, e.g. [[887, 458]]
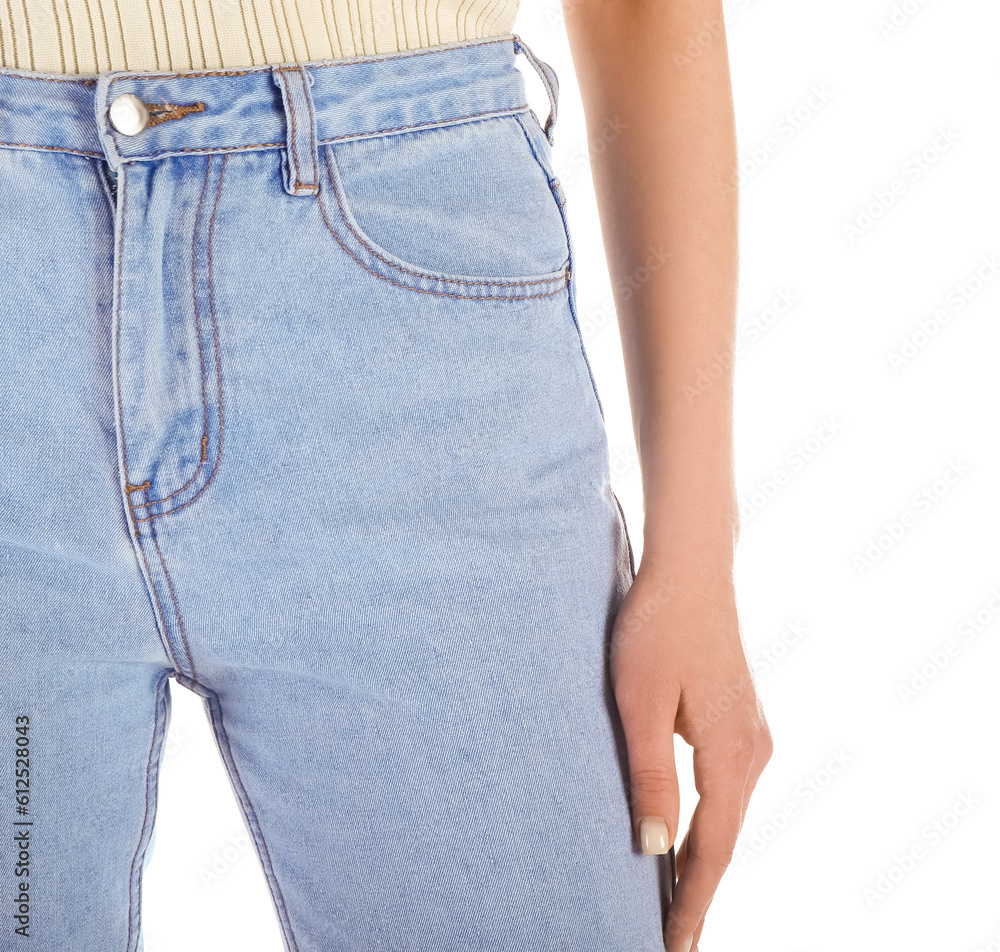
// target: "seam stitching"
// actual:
[[256, 827], [218, 372], [517, 297], [293, 150], [118, 321], [508, 110], [313, 129], [177, 607], [556, 188], [498, 282], [197, 322], [55, 148], [162, 614], [135, 904]]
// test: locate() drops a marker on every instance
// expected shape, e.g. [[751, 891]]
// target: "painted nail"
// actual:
[[654, 835]]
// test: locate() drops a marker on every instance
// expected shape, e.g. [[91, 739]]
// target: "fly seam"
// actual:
[[118, 313], [218, 365], [201, 354]]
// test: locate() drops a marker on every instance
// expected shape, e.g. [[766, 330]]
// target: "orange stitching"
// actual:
[[313, 129], [118, 321], [164, 111], [57, 148], [510, 110], [489, 297], [177, 607], [513, 110], [293, 151], [207, 148], [298, 184], [159, 605], [495, 282], [218, 364], [201, 354]]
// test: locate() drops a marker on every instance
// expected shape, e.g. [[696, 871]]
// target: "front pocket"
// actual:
[[463, 209]]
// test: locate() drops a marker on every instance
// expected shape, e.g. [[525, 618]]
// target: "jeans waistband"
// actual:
[[291, 105]]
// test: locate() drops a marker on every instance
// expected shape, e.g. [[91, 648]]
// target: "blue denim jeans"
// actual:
[[294, 410]]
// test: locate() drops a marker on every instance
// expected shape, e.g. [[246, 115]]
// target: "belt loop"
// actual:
[[549, 80], [300, 165]]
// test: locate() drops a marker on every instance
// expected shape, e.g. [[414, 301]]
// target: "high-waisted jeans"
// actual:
[[294, 410]]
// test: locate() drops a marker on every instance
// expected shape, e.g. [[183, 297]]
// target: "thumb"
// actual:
[[653, 791]]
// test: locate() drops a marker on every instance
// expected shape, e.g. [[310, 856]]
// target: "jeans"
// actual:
[[295, 412]]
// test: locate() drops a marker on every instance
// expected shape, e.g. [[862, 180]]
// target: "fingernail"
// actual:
[[684, 946], [655, 838]]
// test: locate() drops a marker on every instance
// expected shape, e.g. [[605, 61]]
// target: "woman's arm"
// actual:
[[665, 186]]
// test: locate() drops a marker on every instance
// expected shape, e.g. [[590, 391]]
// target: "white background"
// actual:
[[843, 454]]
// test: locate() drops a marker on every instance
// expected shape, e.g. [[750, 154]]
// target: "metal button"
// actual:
[[128, 114]]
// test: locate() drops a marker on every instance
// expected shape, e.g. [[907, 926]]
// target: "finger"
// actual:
[[721, 780], [699, 928], [648, 723], [762, 753]]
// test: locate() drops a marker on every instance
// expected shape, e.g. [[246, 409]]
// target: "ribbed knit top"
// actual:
[[93, 36]]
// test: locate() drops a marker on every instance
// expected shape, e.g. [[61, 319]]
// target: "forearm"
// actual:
[[665, 188]]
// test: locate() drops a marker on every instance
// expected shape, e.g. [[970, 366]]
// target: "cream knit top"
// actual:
[[93, 36]]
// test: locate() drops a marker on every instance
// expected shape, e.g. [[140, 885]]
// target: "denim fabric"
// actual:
[[294, 411]]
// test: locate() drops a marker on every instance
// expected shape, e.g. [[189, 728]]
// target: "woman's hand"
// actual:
[[678, 665]]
